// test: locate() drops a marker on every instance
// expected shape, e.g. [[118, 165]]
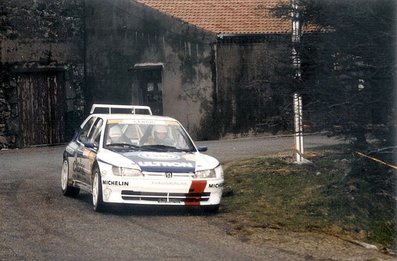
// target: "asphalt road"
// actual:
[[38, 223], [234, 149]]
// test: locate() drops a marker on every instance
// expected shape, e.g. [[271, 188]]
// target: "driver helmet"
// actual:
[[115, 132], [161, 129]]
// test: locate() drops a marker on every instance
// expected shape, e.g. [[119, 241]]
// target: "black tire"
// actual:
[[97, 196], [67, 190]]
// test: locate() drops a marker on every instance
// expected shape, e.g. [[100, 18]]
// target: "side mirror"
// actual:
[[202, 148], [90, 145]]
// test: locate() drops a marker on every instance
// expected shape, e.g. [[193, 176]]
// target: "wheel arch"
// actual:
[[95, 166]]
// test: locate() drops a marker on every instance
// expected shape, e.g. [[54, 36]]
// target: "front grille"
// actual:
[[163, 174], [165, 197]]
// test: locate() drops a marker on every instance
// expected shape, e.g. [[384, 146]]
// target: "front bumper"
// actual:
[[162, 191]]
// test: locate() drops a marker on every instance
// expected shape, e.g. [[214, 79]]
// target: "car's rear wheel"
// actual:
[[97, 200], [67, 190]]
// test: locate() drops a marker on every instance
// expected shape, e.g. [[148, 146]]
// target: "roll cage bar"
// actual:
[[130, 108]]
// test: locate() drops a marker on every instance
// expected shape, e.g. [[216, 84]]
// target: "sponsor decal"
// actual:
[[165, 164], [158, 156], [115, 183], [189, 157], [78, 166], [161, 162], [71, 148], [89, 154], [216, 185], [178, 183], [139, 121], [197, 187]]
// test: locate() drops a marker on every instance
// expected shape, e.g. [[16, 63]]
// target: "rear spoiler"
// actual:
[[117, 109]]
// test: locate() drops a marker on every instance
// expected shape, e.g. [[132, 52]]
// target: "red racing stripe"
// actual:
[[197, 187]]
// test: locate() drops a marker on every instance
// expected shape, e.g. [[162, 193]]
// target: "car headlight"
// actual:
[[219, 171], [209, 173], [119, 171]]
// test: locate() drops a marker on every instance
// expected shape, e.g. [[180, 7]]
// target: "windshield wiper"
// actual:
[[124, 145], [159, 147]]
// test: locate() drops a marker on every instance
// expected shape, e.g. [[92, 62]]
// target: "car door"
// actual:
[[88, 148], [91, 149], [80, 162]]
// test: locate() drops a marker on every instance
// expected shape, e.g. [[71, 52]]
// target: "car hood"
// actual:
[[176, 162]]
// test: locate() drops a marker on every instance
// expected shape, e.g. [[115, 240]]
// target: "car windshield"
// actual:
[[150, 135]]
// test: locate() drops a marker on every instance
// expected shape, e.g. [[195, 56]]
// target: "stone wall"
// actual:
[[122, 33], [211, 85], [250, 92], [40, 35]]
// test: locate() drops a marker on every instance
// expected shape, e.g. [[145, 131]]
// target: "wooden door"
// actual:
[[41, 108]]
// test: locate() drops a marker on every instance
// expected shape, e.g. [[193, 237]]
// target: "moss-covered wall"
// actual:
[[40, 35], [250, 95], [122, 33], [212, 85]]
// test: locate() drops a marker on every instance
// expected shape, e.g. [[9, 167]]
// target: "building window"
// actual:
[[150, 88]]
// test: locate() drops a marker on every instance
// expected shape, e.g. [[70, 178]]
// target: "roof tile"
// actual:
[[225, 16]]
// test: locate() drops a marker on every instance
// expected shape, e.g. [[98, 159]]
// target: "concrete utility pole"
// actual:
[[297, 100], [298, 128]]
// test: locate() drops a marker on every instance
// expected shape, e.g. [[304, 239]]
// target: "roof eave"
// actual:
[[222, 35]]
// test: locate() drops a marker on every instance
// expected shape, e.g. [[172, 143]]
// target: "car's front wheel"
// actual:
[[97, 201], [67, 190]]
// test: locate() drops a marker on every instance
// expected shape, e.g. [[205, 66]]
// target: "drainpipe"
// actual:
[[215, 76]]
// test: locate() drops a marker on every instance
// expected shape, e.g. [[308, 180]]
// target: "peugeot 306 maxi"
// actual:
[[124, 154]]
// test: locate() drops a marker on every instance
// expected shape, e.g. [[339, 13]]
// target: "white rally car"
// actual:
[[121, 156]]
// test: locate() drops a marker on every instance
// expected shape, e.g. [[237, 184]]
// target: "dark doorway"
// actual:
[[41, 103], [150, 88]]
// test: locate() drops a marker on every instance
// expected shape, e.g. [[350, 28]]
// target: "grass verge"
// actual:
[[318, 197]]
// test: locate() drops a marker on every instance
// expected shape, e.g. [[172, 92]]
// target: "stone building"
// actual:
[[42, 71], [211, 64]]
